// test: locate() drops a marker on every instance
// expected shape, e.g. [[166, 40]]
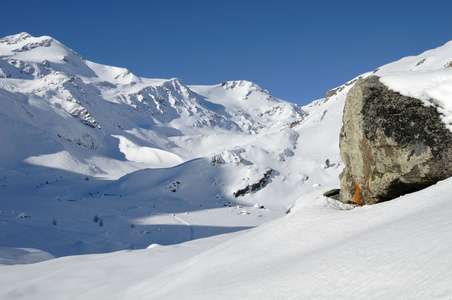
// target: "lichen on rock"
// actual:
[[391, 144]]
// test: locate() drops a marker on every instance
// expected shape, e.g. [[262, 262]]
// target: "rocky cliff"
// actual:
[[391, 144]]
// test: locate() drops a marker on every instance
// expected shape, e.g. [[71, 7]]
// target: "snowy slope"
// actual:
[[395, 250], [155, 162]]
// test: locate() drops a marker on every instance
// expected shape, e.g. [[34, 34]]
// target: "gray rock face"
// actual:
[[391, 144]]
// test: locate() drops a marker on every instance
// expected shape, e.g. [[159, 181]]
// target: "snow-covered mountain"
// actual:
[[90, 136], [73, 103], [94, 159]]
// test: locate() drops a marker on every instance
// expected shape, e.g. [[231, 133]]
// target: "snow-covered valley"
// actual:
[[152, 189]]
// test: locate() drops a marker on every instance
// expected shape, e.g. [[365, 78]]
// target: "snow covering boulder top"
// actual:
[[391, 144], [427, 77]]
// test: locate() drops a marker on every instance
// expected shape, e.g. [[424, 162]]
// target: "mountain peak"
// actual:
[[15, 38], [241, 84], [24, 42]]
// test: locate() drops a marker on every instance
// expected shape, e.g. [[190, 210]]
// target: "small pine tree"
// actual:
[[101, 223], [96, 219], [54, 222]]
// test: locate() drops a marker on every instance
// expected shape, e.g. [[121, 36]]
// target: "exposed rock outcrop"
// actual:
[[391, 144], [252, 187]]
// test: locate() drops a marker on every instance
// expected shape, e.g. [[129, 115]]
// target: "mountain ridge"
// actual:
[[113, 100]]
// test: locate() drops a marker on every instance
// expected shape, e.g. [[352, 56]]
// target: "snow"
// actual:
[[427, 77], [150, 156], [127, 187], [14, 256], [398, 249], [82, 140], [434, 88]]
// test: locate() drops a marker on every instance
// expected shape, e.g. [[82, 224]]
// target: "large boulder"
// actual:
[[390, 144]]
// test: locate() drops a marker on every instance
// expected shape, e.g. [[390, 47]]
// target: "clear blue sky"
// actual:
[[296, 49]]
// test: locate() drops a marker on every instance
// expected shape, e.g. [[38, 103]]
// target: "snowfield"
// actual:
[[117, 187], [395, 250]]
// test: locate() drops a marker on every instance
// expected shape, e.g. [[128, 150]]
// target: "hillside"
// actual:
[[217, 189], [397, 249], [83, 141]]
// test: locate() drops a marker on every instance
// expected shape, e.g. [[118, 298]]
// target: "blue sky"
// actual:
[[295, 49]]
